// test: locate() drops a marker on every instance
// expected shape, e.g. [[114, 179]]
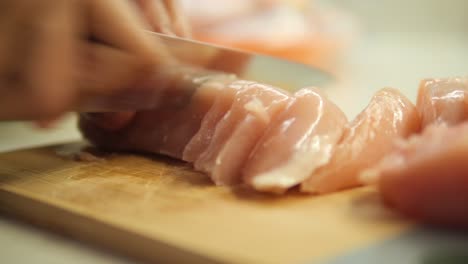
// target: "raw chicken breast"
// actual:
[[427, 177], [166, 87], [166, 129], [443, 101], [367, 139], [301, 140], [210, 120], [235, 135], [298, 30], [201, 140]]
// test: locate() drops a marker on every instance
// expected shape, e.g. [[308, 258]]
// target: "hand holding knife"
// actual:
[[46, 62], [57, 70]]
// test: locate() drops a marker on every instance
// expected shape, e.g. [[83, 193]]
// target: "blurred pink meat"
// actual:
[[300, 30], [427, 177]]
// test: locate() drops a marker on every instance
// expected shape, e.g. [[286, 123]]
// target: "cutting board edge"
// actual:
[[79, 227]]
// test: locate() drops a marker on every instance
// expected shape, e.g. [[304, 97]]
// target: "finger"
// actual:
[[179, 23], [127, 54], [36, 74], [157, 15], [105, 69], [54, 58], [13, 50], [19, 35], [118, 23]]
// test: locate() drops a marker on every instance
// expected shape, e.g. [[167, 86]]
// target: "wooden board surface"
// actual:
[[154, 208]]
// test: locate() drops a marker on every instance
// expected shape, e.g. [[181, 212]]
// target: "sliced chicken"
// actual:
[[235, 135], [201, 140], [427, 177], [210, 120], [370, 137], [167, 128], [301, 140], [443, 101]]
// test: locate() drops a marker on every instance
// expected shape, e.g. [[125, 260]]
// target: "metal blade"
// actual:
[[266, 69]]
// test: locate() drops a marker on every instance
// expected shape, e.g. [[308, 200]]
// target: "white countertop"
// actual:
[[402, 42]]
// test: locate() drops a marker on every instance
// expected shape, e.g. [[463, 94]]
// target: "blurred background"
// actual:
[[365, 44]]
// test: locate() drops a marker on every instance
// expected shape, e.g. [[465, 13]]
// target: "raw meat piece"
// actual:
[[166, 129], [214, 126], [166, 87], [443, 101], [235, 135], [201, 140], [296, 144], [427, 177], [220, 133], [366, 140], [299, 30]]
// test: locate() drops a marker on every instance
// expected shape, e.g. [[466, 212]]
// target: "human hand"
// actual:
[[163, 16], [47, 60]]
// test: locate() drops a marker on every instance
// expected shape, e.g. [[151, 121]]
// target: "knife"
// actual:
[[213, 59]]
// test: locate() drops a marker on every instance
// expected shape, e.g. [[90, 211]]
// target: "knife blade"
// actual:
[[266, 69]]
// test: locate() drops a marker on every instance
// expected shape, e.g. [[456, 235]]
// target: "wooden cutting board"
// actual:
[[157, 209]]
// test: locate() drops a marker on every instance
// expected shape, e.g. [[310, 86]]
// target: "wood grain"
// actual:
[[158, 209]]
